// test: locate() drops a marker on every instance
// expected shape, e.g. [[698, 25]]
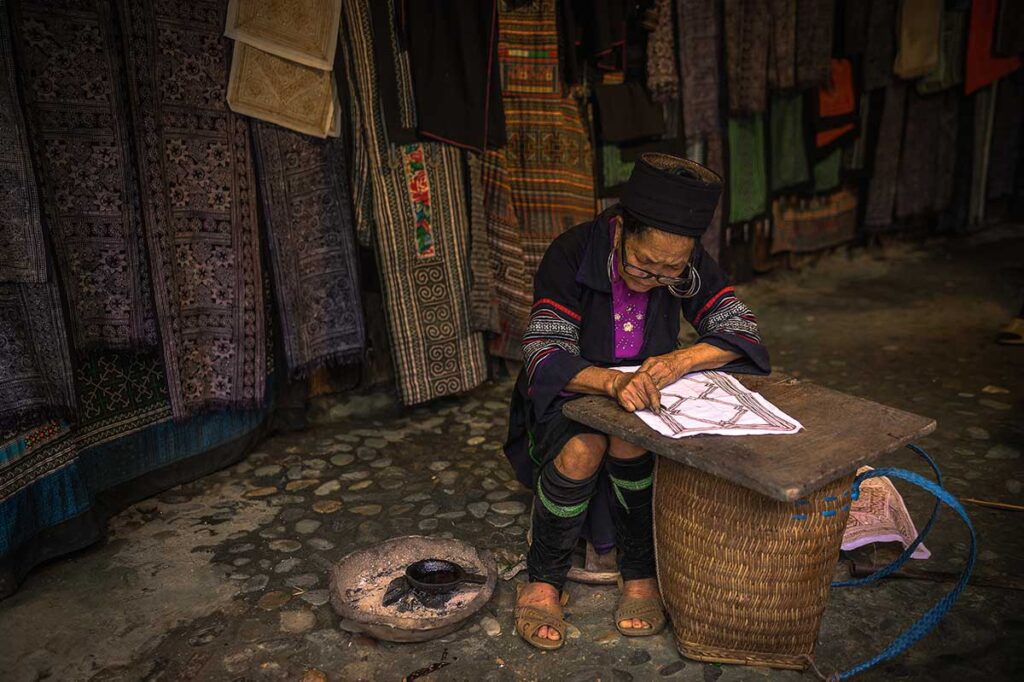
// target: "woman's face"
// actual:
[[654, 251]]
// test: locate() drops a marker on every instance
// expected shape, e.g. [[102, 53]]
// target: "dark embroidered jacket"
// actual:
[[571, 328]]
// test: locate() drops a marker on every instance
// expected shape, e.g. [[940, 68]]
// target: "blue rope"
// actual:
[[931, 618], [902, 558]]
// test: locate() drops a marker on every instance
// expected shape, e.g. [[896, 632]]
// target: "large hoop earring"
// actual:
[[611, 254], [692, 290]]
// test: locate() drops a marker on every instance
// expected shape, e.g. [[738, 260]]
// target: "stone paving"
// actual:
[[226, 578]]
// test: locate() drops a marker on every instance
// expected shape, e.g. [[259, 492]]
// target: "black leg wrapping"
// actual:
[[632, 512], [559, 510]]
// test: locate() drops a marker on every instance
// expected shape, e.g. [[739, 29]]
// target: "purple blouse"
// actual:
[[628, 310]]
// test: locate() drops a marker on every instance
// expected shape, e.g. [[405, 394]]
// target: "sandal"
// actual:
[[1013, 333], [647, 609], [531, 617]]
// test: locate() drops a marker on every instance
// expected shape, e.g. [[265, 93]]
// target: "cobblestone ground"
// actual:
[[225, 578]]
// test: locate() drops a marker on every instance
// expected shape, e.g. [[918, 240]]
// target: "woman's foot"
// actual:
[[541, 594], [647, 587]]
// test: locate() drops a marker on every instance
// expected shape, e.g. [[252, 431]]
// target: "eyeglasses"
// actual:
[[640, 273]]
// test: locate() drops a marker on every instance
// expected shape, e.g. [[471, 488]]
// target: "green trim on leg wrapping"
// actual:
[[557, 509], [618, 485]]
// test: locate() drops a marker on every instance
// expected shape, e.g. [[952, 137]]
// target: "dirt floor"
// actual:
[[225, 578]]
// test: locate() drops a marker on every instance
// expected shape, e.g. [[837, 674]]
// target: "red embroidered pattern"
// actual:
[[419, 193]]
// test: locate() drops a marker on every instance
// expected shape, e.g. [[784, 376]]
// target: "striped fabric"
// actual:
[[553, 327], [724, 313], [413, 197], [541, 183]]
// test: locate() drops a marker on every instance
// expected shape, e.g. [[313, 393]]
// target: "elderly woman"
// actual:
[[610, 293]]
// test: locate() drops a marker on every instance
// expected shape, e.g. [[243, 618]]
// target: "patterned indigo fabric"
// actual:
[[782, 46], [541, 183], [199, 204], [35, 367], [747, 34], [420, 231], [814, 26], [21, 232], [312, 246], [699, 47], [885, 175], [78, 122]]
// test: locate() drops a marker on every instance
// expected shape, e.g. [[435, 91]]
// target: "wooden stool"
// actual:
[[748, 528]]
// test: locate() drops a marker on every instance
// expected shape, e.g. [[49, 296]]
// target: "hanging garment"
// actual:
[[60, 482], [855, 27], [983, 67], [855, 153], [927, 154], [782, 44], [301, 31], [836, 112], [420, 232], [662, 75], [747, 35], [920, 25], [802, 225], [541, 183], [881, 194], [880, 46], [275, 89], [1007, 121], [312, 250], [199, 204], [21, 231], [482, 294], [394, 74], [714, 158], [827, 172], [77, 116], [699, 48], [35, 366], [950, 69], [787, 137], [748, 184], [453, 56], [814, 25]]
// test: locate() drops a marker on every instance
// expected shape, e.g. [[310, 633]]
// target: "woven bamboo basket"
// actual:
[[745, 578]]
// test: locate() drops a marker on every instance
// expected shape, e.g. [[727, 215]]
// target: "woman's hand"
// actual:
[[636, 391], [665, 369]]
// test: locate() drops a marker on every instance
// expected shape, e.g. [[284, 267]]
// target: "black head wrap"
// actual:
[[672, 194]]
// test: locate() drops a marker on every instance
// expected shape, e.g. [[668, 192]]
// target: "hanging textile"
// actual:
[[482, 295], [802, 225], [826, 172], [747, 34], [453, 55], [301, 31], [21, 231], [880, 45], [919, 29], [927, 154], [394, 74], [277, 90], [950, 69], [420, 232], [312, 250], [35, 365], [198, 202], [983, 67], [984, 120], [1009, 38], [625, 112], [714, 159], [835, 114], [541, 183], [787, 137], [60, 482], [814, 24], [662, 76], [1006, 135], [748, 190], [882, 187], [699, 48], [855, 153], [78, 126], [782, 44]]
